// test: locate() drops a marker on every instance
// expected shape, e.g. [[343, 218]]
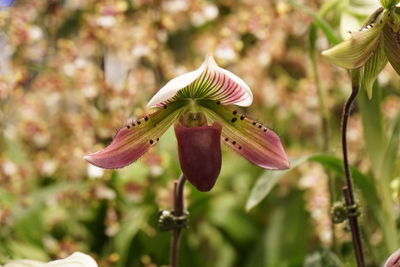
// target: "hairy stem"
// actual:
[[348, 188], [179, 207]]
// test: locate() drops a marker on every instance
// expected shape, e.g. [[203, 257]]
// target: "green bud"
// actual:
[[389, 3], [393, 18], [373, 67], [355, 52]]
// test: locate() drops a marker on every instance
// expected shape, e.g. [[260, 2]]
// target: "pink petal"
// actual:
[[249, 138], [200, 154], [393, 260], [135, 139]]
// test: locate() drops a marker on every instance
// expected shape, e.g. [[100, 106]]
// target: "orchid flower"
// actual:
[[77, 259], [200, 104], [371, 48]]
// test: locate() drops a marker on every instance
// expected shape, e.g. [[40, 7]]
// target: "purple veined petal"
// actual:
[[173, 86], [393, 260], [200, 154], [392, 47], [207, 82], [136, 138], [248, 138]]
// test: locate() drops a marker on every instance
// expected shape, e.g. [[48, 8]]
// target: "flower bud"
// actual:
[[389, 3]]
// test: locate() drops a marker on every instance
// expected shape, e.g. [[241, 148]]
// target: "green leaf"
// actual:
[[267, 181], [391, 151], [373, 130], [287, 233], [130, 226], [369, 193], [318, 21], [322, 258], [363, 182], [372, 68]]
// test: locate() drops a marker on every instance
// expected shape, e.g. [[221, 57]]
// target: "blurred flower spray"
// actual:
[[365, 53], [192, 101]]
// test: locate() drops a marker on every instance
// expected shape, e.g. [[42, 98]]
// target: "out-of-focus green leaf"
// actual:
[[319, 21], [37, 198], [322, 258], [130, 225], [371, 116], [267, 181], [225, 254], [71, 24], [286, 238], [369, 192], [363, 182], [391, 151], [14, 151], [27, 251], [328, 6]]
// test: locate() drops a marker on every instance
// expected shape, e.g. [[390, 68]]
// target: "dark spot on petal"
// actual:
[[260, 126], [234, 119], [138, 122], [133, 124], [226, 139], [242, 117], [233, 142], [265, 130], [146, 118], [151, 141], [254, 122], [240, 147], [158, 139], [234, 112], [218, 102], [128, 126], [154, 125], [165, 106]]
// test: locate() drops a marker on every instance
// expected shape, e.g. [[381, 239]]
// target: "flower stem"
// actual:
[[348, 188], [179, 207]]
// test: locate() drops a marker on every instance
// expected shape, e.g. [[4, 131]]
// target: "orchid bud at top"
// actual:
[[389, 3], [355, 52]]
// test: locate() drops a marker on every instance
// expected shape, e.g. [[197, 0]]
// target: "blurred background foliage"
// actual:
[[72, 72]]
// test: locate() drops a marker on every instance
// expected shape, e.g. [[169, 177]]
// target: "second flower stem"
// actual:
[[179, 207], [348, 188]]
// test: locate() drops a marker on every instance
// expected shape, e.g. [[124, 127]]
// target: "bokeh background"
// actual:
[[72, 72]]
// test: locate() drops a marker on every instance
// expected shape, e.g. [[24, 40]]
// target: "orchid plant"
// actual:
[[200, 103], [371, 48]]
